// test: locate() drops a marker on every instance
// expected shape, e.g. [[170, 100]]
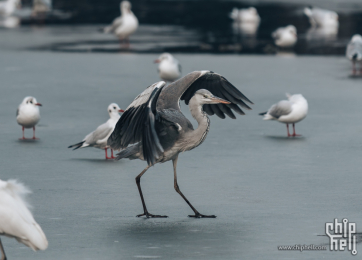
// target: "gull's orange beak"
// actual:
[[38, 104], [156, 61], [121, 110], [220, 100]]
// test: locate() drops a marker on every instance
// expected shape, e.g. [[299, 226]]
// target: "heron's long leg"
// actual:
[[177, 188], [145, 211], [3, 257]]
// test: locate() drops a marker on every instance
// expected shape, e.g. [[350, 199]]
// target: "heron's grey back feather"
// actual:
[[282, 108]]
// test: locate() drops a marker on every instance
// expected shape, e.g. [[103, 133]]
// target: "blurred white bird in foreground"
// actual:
[[285, 36], [289, 111], [124, 25], [28, 114], [321, 18], [16, 220], [354, 52], [98, 138], [169, 68]]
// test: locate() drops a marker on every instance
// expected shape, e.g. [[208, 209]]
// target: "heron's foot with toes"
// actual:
[[149, 215], [198, 215]]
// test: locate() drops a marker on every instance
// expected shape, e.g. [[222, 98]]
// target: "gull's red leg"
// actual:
[[354, 71], [23, 134], [288, 130], [112, 156], [34, 133], [107, 154], [294, 134]]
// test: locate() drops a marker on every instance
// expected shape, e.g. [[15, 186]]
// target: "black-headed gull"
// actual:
[[354, 52], [289, 111], [321, 18], [16, 219], [98, 138], [169, 68], [124, 25], [285, 36], [28, 114]]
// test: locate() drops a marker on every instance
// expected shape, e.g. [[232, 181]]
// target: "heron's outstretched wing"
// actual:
[[185, 88], [137, 124]]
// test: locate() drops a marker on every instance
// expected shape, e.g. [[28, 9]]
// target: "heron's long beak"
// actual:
[[156, 61], [121, 110], [38, 104], [219, 100]]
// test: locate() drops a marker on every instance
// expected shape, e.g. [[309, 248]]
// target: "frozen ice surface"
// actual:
[[266, 189]]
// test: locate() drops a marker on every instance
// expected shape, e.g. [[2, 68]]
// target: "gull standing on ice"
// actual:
[[285, 36], [246, 15], [169, 68], [289, 111], [245, 20], [98, 138], [124, 25], [28, 114], [16, 220], [354, 52], [321, 18], [7, 8]]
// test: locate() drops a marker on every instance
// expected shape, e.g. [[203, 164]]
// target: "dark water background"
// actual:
[[211, 26]]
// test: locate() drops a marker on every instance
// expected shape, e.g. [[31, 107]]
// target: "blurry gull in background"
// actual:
[[28, 114], [124, 25], [285, 37], [354, 52], [169, 68], [246, 21], [289, 111], [7, 9], [324, 24], [41, 8], [16, 220], [98, 138], [321, 18]]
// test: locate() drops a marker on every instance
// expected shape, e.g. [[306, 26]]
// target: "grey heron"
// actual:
[[154, 129]]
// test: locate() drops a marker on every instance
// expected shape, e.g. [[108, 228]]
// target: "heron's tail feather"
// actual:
[[78, 145]]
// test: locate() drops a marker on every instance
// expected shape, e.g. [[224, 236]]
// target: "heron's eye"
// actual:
[[205, 96], [31, 102], [114, 107], [110, 111]]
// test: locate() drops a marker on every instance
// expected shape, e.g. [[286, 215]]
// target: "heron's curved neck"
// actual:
[[199, 134]]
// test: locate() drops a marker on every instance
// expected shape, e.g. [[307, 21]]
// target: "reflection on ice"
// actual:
[[9, 22], [326, 33]]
